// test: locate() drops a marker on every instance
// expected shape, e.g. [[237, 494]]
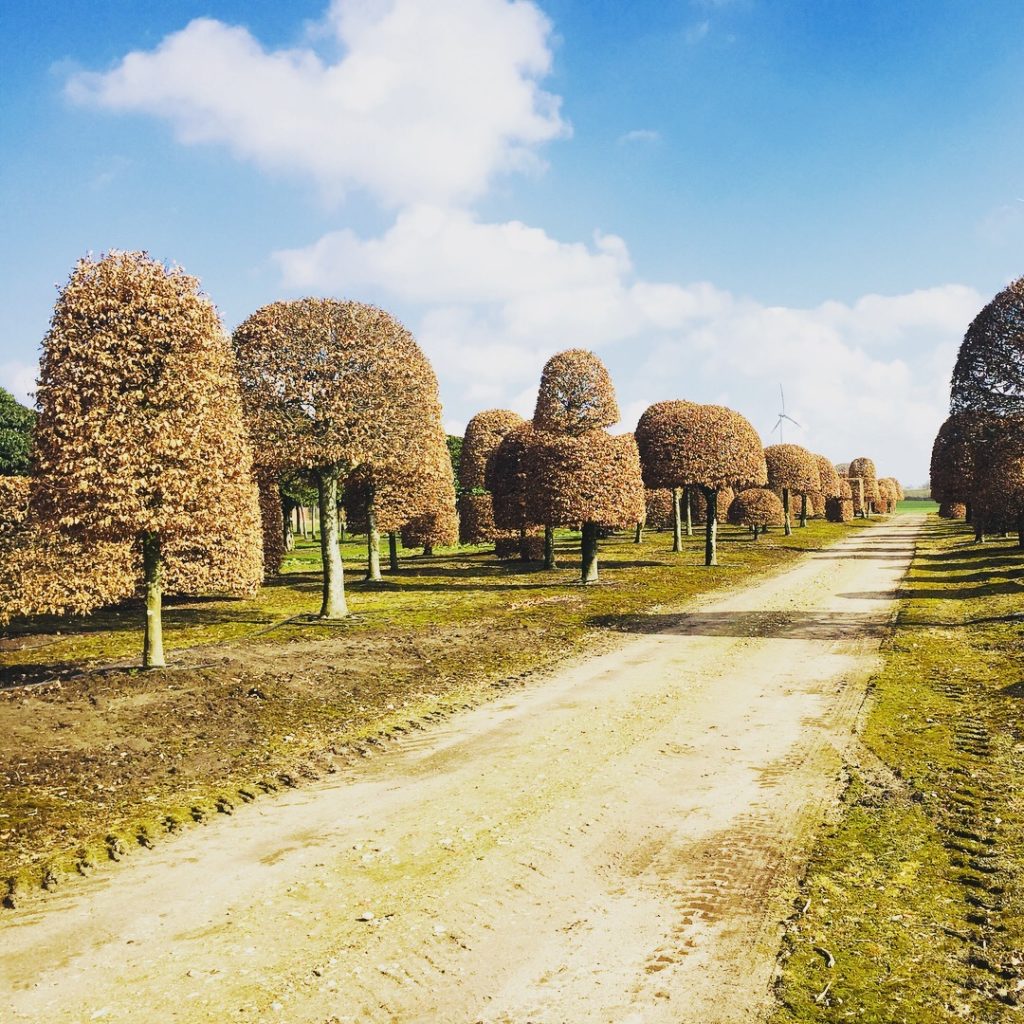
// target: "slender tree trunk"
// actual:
[[757, 533], [677, 521], [787, 524], [152, 575], [979, 529], [334, 606], [550, 562], [372, 539], [428, 550], [803, 509], [687, 501], [1020, 530], [393, 550], [711, 530], [588, 551], [638, 537], [287, 507]]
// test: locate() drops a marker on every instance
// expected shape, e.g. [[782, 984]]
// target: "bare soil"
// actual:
[[616, 842]]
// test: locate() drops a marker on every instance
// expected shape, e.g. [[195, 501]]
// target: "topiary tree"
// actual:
[[829, 477], [953, 454], [583, 475], [592, 479], [840, 508], [659, 436], [704, 447], [989, 373], [508, 477], [484, 433], [431, 519], [866, 496], [952, 510], [16, 424], [700, 506], [273, 522], [330, 386], [792, 470], [999, 476], [886, 496], [140, 437], [658, 511], [756, 507]]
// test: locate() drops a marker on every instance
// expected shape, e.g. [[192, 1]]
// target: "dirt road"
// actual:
[[617, 843]]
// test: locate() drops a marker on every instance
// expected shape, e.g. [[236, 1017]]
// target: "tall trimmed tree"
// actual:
[[330, 386], [140, 437], [792, 470]]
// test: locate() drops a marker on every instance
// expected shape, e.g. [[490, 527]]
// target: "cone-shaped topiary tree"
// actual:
[[756, 507], [330, 386], [16, 423], [792, 470], [989, 372], [140, 437]]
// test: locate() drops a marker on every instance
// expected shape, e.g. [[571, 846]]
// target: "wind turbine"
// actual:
[[783, 416]]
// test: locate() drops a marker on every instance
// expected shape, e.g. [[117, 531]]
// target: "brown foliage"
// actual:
[[529, 549], [328, 383], [430, 500], [483, 435], [840, 510], [271, 522], [140, 427], [585, 478], [576, 394], [953, 455], [509, 478], [684, 444], [793, 468], [829, 477], [1000, 480], [952, 510], [756, 506], [659, 508]]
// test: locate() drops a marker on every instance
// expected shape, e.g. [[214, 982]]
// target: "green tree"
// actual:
[[16, 425]]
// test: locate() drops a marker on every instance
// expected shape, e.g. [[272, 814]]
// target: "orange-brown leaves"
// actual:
[[592, 477], [684, 444], [576, 394], [659, 508], [483, 435], [793, 468], [756, 506]]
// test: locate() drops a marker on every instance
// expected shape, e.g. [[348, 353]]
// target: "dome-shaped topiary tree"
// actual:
[[999, 475], [140, 438], [792, 470], [576, 394], [989, 372], [508, 476], [330, 386], [756, 507]]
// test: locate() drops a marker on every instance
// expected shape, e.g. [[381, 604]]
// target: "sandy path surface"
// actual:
[[617, 843]]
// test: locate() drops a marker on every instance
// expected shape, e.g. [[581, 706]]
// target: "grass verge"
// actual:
[[99, 758], [914, 900]]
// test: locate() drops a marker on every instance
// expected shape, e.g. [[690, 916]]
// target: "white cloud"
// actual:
[[695, 33], [19, 379], [490, 302], [639, 135], [427, 102]]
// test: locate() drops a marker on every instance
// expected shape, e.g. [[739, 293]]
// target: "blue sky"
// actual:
[[716, 196]]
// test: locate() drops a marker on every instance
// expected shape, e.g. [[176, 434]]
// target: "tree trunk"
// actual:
[[287, 507], [550, 562], [677, 522], [979, 530], [588, 551], [524, 555], [967, 512], [689, 511], [803, 509], [334, 606], [1020, 530], [711, 531], [372, 540], [152, 574], [787, 525], [428, 550], [638, 537], [757, 533], [393, 550]]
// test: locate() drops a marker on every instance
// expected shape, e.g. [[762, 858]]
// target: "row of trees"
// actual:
[[167, 455], [977, 465]]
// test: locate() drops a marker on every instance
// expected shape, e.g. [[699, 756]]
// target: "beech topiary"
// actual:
[[330, 386], [792, 470], [866, 496], [700, 506], [756, 507], [989, 373], [840, 509], [1000, 477], [140, 438], [484, 433], [576, 394]]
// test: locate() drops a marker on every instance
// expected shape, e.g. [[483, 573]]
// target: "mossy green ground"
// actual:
[[259, 694], [916, 892]]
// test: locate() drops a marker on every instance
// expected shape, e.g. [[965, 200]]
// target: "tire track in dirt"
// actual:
[[617, 843]]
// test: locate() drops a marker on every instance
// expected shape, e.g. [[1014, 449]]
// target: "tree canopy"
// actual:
[[16, 424]]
